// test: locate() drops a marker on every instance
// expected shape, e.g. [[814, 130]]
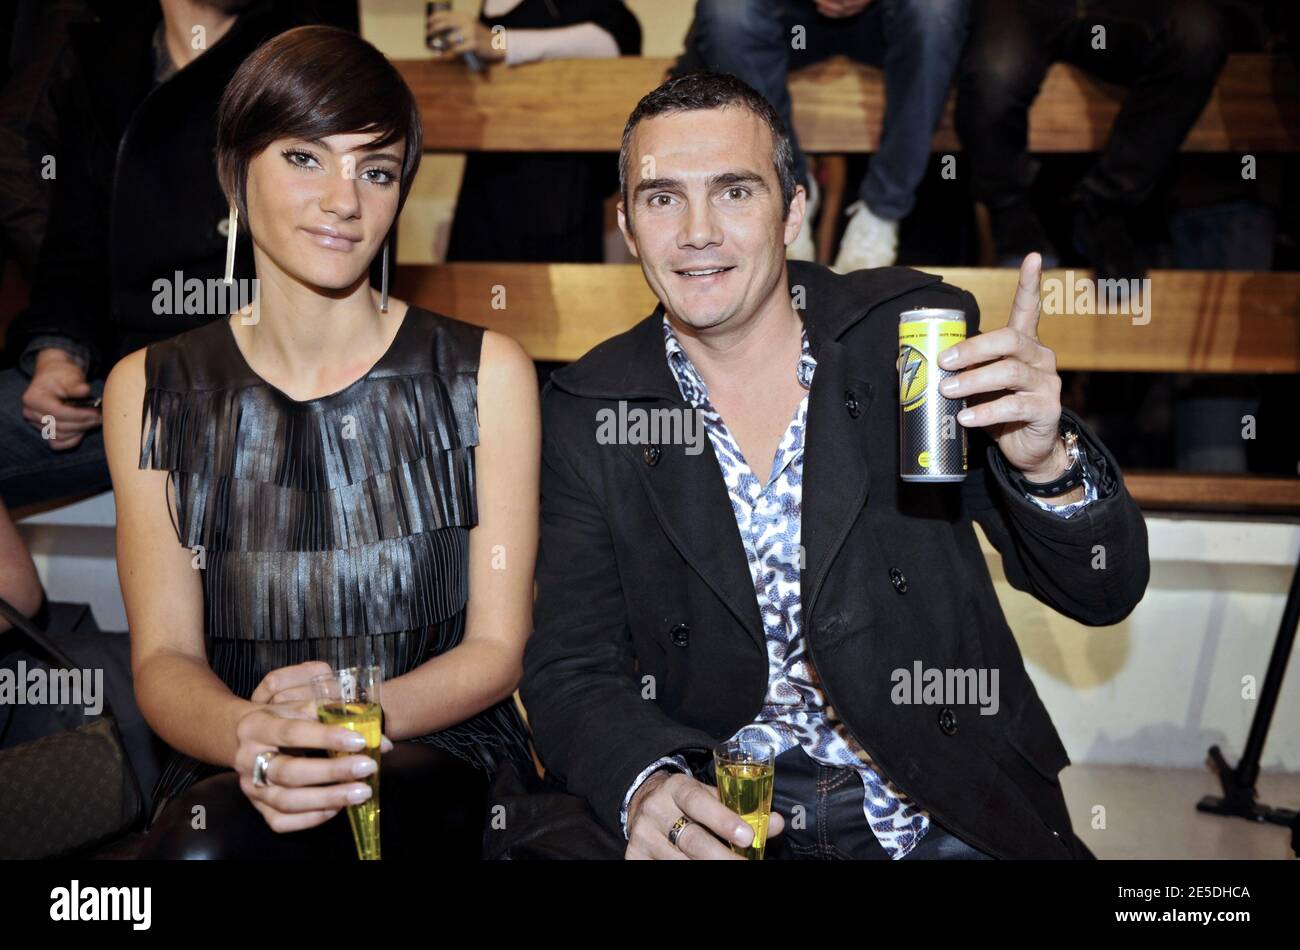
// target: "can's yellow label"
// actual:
[[919, 343]]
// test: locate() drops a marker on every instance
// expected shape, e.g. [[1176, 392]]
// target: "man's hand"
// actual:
[[1011, 386], [663, 798], [58, 377], [837, 9]]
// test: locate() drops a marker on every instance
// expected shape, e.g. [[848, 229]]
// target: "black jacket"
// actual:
[[641, 572], [135, 195]]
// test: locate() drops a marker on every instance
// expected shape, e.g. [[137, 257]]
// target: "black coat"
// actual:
[[642, 572], [135, 197]]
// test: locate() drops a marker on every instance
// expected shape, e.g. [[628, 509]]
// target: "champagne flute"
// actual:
[[746, 771], [349, 697]]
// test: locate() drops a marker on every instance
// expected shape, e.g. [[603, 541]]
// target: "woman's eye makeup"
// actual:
[[299, 157], [375, 174]]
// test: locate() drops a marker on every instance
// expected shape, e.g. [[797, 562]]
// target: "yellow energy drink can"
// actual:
[[932, 443]]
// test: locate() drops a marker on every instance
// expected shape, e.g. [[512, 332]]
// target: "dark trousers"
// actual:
[[1167, 52], [432, 805], [835, 827]]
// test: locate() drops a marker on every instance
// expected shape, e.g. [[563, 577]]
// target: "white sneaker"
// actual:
[[802, 248], [868, 241]]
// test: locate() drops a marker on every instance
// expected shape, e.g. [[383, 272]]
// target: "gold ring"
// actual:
[[676, 831]]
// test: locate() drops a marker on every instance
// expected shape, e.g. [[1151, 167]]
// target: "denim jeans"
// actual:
[[834, 824], [916, 42], [30, 471]]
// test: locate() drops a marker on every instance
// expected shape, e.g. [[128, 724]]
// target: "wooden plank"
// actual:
[[1199, 321], [1185, 491], [582, 105], [1193, 321]]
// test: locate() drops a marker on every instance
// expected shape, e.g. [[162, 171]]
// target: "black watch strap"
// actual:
[[1070, 479]]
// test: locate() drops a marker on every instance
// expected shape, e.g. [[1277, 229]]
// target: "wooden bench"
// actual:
[[582, 105], [1200, 322]]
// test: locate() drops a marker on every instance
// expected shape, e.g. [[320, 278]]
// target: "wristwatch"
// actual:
[[1071, 478]]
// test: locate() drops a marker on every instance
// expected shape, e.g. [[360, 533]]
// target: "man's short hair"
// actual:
[[710, 90]]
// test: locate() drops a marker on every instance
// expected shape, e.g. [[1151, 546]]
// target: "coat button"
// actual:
[[851, 403], [947, 721], [680, 634], [651, 454], [898, 579]]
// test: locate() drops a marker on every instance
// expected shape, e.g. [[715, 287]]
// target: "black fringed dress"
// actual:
[[332, 529]]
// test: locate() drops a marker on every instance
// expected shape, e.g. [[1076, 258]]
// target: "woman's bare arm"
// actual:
[[180, 696], [485, 667]]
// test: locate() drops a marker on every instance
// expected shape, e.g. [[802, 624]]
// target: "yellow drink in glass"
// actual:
[[365, 719], [746, 772], [349, 697]]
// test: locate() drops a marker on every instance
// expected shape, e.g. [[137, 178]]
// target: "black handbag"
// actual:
[[68, 792]]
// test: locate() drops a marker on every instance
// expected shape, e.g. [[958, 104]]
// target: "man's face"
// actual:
[[703, 214]]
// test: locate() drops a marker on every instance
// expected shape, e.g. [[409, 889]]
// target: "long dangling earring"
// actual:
[[232, 234], [383, 274]]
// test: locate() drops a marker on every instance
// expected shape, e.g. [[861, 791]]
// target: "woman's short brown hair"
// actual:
[[308, 83]]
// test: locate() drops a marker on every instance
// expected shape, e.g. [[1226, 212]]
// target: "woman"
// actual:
[[535, 207], [346, 481]]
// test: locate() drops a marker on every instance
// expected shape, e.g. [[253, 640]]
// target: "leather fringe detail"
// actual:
[[393, 585], [258, 434], [233, 514]]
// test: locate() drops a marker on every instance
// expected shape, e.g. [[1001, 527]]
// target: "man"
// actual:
[[683, 598], [134, 199], [1168, 52], [917, 44]]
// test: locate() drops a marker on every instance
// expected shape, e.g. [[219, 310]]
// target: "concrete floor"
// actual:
[[1151, 813]]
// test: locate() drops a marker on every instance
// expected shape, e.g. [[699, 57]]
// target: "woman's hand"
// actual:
[[468, 34], [292, 684], [289, 684], [301, 792]]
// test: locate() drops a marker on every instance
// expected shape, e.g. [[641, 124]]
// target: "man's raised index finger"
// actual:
[[1028, 303]]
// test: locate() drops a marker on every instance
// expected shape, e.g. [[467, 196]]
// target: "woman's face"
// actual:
[[320, 210]]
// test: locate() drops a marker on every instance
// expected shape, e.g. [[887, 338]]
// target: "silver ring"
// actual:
[[676, 831], [261, 762], [456, 36]]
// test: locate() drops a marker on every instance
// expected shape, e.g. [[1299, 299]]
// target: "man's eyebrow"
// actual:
[[738, 178], [722, 178], [655, 184]]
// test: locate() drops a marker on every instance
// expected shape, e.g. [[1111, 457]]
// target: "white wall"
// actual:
[[1165, 684]]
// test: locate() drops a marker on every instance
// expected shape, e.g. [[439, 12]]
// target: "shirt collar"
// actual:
[[691, 384]]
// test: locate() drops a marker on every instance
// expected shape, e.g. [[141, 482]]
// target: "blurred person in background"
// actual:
[[544, 207], [1167, 52], [133, 94], [917, 43]]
